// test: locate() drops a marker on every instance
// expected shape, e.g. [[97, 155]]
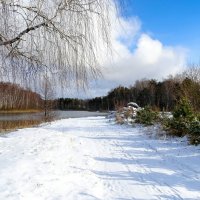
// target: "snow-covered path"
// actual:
[[89, 158]]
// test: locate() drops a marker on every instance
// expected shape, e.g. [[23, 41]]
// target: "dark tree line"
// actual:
[[70, 104], [160, 95]]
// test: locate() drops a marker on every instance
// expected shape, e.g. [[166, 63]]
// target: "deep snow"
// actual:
[[90, 158]]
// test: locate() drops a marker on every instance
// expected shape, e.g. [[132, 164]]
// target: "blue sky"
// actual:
[[151, 39], [174, 22]]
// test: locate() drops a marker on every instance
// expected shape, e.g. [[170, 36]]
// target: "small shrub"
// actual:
[[183, 110], [194, 128], [146, 116], [194, 132], [198, 116], [183, 115], [184, 122], [177, 127]]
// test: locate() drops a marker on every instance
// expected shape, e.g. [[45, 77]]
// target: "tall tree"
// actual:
[[59, 36]]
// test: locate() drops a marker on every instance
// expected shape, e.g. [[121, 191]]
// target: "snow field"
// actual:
[[92, 159]]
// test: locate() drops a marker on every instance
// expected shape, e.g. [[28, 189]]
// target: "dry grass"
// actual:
[[6, 126], [10, 125], [119, 119], [19, 111], [128, 113]]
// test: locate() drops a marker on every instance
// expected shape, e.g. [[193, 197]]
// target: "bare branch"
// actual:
[[59, 37], [22, 33]]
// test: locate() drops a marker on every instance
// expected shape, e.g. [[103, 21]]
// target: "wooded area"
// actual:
[[160, 95], [13, 97]]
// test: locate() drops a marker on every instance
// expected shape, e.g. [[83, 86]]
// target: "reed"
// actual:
[[6, 126], [20, 111]]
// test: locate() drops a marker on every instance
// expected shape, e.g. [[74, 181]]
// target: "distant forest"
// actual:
[[160, 95], [14, 97]]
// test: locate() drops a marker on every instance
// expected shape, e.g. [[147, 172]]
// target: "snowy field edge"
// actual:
[[91, 158]]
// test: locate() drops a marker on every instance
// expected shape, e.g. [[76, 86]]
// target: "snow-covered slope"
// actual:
[[89, 158]]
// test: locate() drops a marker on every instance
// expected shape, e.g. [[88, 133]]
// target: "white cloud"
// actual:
[[135, 55], [149, 59]]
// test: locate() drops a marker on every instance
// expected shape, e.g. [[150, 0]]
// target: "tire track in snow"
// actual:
[[140, 177], [110, 185], [148, 171], [176, 164], [139, 166]]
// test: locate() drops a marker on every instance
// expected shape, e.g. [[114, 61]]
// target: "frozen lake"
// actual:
[[58, 115]]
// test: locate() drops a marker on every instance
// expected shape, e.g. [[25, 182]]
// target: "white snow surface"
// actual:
[[93, 159]]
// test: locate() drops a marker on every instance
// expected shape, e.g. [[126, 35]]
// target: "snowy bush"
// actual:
[[183, 115], [177, 127], [146, 116], [183, 110], [127, 114], [119, 119], [184, 122], [194, 131]]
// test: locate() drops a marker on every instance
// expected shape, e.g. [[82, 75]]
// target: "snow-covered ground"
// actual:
[[90, 158]]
